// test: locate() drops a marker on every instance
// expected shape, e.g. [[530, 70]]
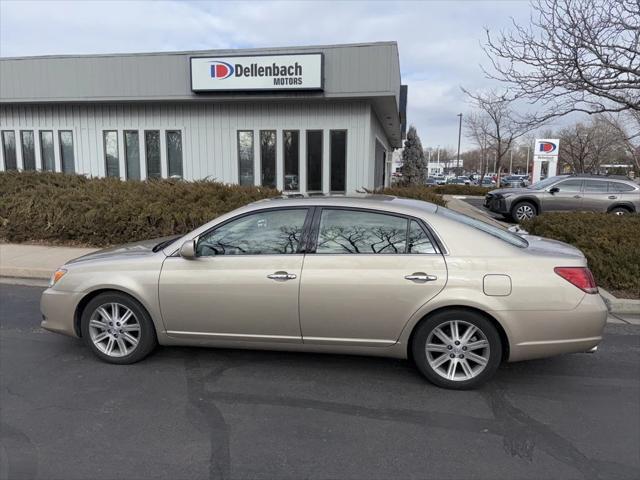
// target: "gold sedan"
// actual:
[[370, 275]]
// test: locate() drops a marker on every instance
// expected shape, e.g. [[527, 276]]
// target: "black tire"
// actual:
[[619, 211], [146, 336], [522, 210], [494, 351]]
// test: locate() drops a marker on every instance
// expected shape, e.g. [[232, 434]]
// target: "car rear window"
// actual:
[[504, 235], [620, 187]]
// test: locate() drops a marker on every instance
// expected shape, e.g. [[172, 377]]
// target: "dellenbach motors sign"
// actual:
[[263, 72]]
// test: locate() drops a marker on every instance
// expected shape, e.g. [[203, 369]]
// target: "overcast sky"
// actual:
[[439, 41]]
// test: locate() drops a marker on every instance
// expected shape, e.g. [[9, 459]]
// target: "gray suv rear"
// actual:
[[567, 193]]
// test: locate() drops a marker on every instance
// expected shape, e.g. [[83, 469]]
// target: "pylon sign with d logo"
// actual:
[[545, 150]]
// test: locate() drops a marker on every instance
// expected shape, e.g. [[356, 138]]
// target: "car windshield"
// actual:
[[504, 235], [544, 183]]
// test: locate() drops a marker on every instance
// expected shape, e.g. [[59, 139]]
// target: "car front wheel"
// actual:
[[117, 328], [457, 349], [523, 211]]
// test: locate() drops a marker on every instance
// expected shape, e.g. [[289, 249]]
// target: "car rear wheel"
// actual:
[[619, 211], [523, 211], [118, 329], [457, 349]]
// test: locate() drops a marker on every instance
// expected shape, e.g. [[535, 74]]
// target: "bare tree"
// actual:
[[477, 126], [586, 146], [501, 125], [573, 55], [627, 127]]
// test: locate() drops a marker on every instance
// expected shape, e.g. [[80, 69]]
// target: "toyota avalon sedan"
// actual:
[[372, 275]]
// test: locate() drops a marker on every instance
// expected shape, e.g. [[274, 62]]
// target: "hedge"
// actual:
[[611, 244], [76, 210], [418, 192], [73, 209], [462, 190]]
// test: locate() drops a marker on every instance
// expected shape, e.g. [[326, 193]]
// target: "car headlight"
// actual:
[[57, 275]]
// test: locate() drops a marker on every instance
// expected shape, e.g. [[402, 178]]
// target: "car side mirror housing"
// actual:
[[188, 249], [554, 190]]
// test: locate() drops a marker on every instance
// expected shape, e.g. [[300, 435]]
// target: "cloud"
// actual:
[[439, 42]]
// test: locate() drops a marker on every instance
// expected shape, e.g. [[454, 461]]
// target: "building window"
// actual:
[[9, 150], [111, 158], [174, 153], [268, 158], [67, 159], [47, 152], [245, 157], [291, 146], [28, 150], [338, 151], [132, 154], [152, 151], [314, 160]]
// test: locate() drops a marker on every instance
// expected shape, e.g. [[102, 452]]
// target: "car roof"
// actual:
[[370, 201]]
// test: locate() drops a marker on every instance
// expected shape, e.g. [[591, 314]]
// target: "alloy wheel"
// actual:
[[114, 329], [457, 350], [524, 212]]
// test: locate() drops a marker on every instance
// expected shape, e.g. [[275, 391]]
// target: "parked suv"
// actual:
[[617, 195]]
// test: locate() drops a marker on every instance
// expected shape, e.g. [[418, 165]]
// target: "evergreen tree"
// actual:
[[414, 166]]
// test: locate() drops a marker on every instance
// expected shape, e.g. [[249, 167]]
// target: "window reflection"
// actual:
[[418, 240], [264, 233], [245, 157], [28, 150], [112, 162], [343, 231], [268, 157]]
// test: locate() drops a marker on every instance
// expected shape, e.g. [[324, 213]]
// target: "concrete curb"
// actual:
[[620, 305]]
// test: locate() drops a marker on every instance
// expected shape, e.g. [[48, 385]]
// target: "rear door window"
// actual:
[[358, 232], [595, 186]]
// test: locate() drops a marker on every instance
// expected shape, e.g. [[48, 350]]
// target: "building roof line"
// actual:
[[224, 51]]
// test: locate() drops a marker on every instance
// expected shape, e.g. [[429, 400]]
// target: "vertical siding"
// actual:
[[208, 133]]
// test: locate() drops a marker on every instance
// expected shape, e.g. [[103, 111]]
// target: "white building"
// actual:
[[302, 119]]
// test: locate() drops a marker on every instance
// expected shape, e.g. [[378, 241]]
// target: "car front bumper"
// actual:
[[496, 204], [58, 311]]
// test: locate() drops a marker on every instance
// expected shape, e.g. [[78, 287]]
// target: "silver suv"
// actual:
[[617, 195]]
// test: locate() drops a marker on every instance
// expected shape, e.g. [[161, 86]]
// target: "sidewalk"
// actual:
[[35, 261], [455, 202]]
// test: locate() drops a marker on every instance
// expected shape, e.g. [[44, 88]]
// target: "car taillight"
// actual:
[[581, 277]]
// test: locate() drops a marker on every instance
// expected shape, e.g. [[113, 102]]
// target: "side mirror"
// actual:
[[188, 249], [553, 190]]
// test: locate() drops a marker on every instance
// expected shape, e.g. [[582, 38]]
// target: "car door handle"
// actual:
[[577, 196], [612, 197], [420, 277], [280, 275]]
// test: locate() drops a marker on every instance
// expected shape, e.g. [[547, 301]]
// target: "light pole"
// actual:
[[438, 147], [459, 136], [528, 146], [511, 161]]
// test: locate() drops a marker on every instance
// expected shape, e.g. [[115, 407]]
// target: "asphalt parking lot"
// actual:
[[207, 413]]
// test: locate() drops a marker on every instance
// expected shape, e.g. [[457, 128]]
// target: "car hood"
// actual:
[[144, 247], [547, 246], [502, 191]]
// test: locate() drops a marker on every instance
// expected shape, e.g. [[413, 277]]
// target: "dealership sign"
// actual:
[[261, 72], [546, 147]]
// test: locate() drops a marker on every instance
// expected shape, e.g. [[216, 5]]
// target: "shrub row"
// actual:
[[418, 192], [462, 190], [73, 209], [611, 244]]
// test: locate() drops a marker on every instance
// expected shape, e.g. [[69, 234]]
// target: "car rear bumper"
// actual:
[[544, 334], [58, 309]]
